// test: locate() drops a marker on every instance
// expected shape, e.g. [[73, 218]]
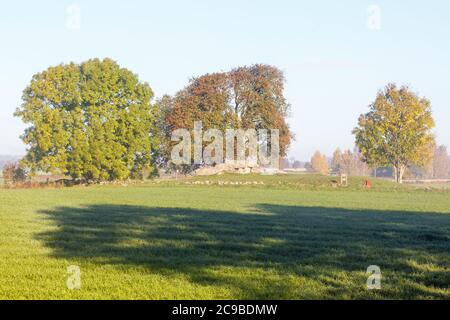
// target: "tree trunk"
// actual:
[[399, 170]]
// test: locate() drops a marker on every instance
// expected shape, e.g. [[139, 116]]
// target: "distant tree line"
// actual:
[[437, 168], [353, 164], [342, 162]]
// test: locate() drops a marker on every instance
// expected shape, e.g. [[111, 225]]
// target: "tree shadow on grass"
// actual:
[[267, 253]]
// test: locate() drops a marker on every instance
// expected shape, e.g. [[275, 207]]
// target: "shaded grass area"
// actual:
[[291, 241], [153, 242]]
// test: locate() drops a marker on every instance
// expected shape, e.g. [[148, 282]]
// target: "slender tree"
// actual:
[[396, 131], [319, 163], [336, 163], [441, 163]]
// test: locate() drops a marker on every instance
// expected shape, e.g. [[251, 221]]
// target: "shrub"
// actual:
[[13, 173]]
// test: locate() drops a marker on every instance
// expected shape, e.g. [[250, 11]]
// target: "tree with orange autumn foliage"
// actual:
[[319, 163], [244, 98]]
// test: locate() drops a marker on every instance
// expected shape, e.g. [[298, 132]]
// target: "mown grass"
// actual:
[[278, 240], [291, 181]]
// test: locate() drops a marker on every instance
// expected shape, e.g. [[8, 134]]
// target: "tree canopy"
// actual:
[[244, 98], [441, 163], [91, 121], [396, 131], [349, 163], [319, 163]]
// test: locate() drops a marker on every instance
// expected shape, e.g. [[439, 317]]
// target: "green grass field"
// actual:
[[287, 237]]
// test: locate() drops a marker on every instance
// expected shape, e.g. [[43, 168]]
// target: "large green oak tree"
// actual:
[[92, 121]]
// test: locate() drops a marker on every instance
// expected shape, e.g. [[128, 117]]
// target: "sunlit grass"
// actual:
[[280, 240]]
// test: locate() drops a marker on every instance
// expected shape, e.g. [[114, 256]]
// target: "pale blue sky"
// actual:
[[334, 63]]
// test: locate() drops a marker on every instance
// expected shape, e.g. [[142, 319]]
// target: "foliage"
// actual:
[[14, 173], [441, 163], [259, 102], [91, 121], [350, 163], [336, 162], [319, 163], [8, 171], [244, 98], [396, 131]]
